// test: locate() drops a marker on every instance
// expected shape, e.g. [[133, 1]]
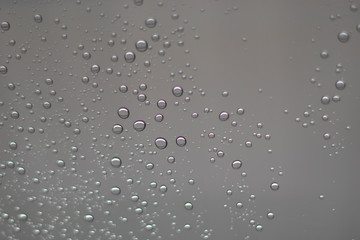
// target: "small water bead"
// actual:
[[141, 45], [327, 136], [15, 114], [150, 22], [21, 170], [47, 105], [270, 215], [181, 141], [95, 68], [236, 164], [123, 88], [340, 84], [274, 186], [171, 159], [239, 204], [324, 54], [159, 117], [22, 217], [187, 226], [117, 129], [220, 154], [139, 125], [188, 206], [13, 145], [149, 166], [343, 36], [141, 97], [129, 57], [138, 210], [223, 116], [85, 80], [60, 163], [177, 91], [3, 69], [115, 162], [38, 18], [5, 26], [161, 104], [248, 144], [123, 112], [160, 143], [86, 55], [143, 87], [325, 100], [259, 228], [115, 190], [336, 98], [89, 218], [163, 188]]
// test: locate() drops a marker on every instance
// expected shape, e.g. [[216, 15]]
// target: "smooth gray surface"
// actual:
[[263, 53]]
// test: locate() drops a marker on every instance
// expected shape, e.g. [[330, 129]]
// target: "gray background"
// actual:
[[263, 53]]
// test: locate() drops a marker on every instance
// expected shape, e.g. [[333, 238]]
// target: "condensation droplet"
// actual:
[[150, 22], [343, 36], [223, 116], [236, 164], [188, 206], [89, 218], [123, 112], [117, 129], [115, 162], [177, 91], [340, 84], [5, 26], [129, 57], [325, 100], [274, 186], [141, 45], [115, 190], [181, 141], [160, 143], [139, 125]]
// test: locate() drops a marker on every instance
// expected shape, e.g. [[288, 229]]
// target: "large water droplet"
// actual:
[[343, 36], [177, 91], [274, 186], [123, 112], [115, 162], [236, 164], [139, 125], [141, 45], [181, 141], [188, 206], [160, 143]]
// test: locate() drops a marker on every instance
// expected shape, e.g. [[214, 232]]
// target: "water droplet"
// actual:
[[270, 215], [160, 143], [181, 141], [129, 57], [89, 218], [138, 210], [236, 164], [60, 163], [22, 217], [188, 206], [117, 129], [340, 84], [259, 228], [343, 36], [223, 116], [13, 145], [150, 22], [138, 2], [248, 144], [163, 188], [159, 117], [5, 26], [171, 159], [239, 204], [123, 112], [141, 45], [177, 91], [3, 69], [115, 162], [139, 125], [38, 18], [325, 100], [274, 186], [161, 104], [324, 54], [115, 190], [327, 136], [95, 68]]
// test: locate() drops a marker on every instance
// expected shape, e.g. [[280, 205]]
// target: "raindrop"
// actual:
[[160, 143], [115, 190], [161, 104], [22, 217], [188, 206], [95, 68], [150, 22], [141, 45], [274, 186], [270, 215], [123, 112], [5, 26], [3, 69], [115, 162], [89, 218], [159, 117], [163, 188], [139, 125], [177, 91], [324, 54], [171, 159], [60, 163], [223, 116], [38, 18], [117, 129], [181, 141], [343, 36], [327, 136], [129, 57], [239, 204], [325, 100], [236, 164], [340, 84], [259, 228]]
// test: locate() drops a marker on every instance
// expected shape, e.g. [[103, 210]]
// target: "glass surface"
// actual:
[[180, 119]]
